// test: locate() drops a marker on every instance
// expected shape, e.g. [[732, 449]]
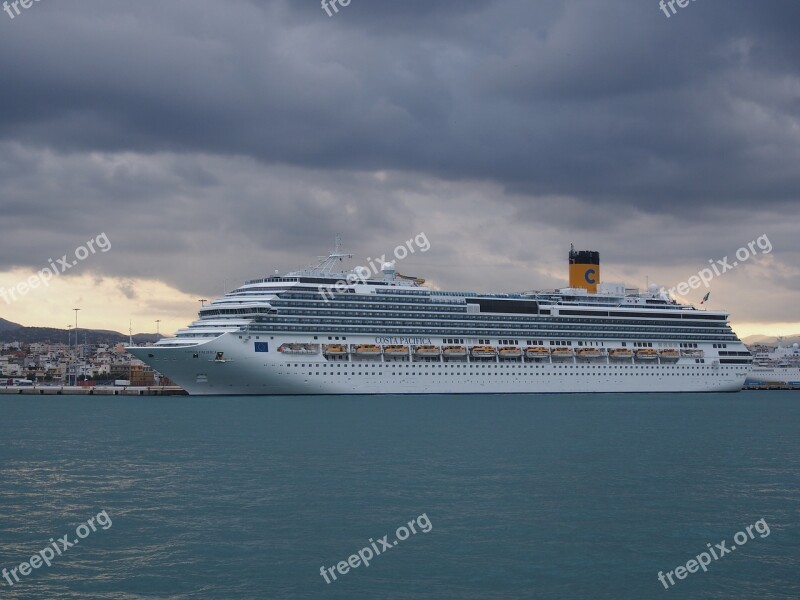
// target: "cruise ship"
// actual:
[[775, 366], [323, 331]]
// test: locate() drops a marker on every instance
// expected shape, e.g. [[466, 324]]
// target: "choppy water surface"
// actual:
[[528, 496]]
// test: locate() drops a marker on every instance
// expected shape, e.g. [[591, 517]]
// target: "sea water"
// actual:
[[567, 496]]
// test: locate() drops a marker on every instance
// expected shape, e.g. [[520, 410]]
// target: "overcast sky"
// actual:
[[218, 141]]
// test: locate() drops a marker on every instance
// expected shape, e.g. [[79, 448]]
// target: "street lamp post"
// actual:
[[76, 346], [69, 350]]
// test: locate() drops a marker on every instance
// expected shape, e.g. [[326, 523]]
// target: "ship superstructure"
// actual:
[[319, 331], [775, 366]]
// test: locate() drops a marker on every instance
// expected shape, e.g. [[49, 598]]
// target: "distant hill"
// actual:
[[771, 340], [13, 332], [8, 325]]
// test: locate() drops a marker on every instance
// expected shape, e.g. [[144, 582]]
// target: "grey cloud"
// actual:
[[218, 141], [608, 102]]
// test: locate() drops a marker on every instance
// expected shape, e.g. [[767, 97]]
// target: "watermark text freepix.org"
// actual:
[[62, 265], [705, 276], [8, 6], [54, 549], [702, 560], [362, 274], [663, 4], [331, 8], [366, 554]]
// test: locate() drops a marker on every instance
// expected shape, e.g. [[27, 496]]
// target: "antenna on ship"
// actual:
[[325, 265], [130, 332]]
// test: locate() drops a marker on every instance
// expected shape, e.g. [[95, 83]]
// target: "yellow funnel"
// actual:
[[584, 269]]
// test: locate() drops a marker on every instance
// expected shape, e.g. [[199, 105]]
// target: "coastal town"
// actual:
[[84, 365]]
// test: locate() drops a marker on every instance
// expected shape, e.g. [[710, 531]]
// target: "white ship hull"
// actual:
[[319, 331], [240, 370], [774, 376]]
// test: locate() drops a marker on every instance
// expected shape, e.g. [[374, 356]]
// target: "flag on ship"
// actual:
[[705, 298]]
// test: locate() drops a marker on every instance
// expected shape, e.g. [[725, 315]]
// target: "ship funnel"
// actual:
[[389, 271], [584, 269]]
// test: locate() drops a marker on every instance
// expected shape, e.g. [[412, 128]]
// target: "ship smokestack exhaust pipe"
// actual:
[[584, 269]]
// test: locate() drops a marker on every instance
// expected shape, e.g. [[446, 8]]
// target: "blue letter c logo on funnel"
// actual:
[[588, 278]]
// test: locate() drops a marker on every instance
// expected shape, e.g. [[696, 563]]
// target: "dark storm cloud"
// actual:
[[610, 102], [184, 217], [217, 141]]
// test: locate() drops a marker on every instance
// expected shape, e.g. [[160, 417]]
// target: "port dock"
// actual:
[[97, 390]]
